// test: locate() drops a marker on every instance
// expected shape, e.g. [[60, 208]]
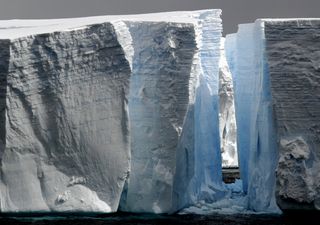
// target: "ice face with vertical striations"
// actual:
[[161, 92], [275, 65], [198, 171], [64, 118], [169, 154], [257, 149], [68, 87]]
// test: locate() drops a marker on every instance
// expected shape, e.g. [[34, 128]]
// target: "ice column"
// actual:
[[198, 171], [256, 134]]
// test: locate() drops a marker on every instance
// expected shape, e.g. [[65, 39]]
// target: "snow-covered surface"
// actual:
[[11, 29]]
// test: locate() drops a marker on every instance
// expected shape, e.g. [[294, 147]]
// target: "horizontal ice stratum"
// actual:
[[139, 113]]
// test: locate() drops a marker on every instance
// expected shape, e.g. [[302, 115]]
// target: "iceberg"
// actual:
[[104, 111], [275, 74], [65, 143], [139, 113], [257, 150], [293, 58]]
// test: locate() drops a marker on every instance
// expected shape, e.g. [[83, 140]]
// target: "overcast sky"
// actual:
[[234, 11]]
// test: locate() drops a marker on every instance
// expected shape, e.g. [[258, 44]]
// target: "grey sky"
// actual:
[[234, 11]]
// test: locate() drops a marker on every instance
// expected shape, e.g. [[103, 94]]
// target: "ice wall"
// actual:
[[65, 96], [293, 58], [173, 163], [256, 135], [64, 120], [161, 92], [198, 170]]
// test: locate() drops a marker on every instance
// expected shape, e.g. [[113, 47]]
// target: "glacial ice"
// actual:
[[275, 67], [138, 113], [64, 115], [293, 57], [257, 150], [78, 146]]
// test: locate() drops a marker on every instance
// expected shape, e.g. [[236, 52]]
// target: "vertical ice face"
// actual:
[[256, 135], [64, 121], [65, 135], [243, 86], [173, 164], [293, 57], [198, 170], [160, 88]]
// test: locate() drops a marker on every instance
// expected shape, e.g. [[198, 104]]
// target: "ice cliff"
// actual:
[[293, 58], [64, 121], [137, 113], [275, 67], [110, 110]]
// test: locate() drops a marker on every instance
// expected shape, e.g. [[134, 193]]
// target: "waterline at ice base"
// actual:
[[158, 113]]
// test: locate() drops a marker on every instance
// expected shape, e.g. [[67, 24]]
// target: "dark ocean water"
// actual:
[[135, 219]]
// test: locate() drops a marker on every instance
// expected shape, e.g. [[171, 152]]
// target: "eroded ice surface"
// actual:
[[64, 121], [275, 66], [257, 150], [293, 58], [65, 129]]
